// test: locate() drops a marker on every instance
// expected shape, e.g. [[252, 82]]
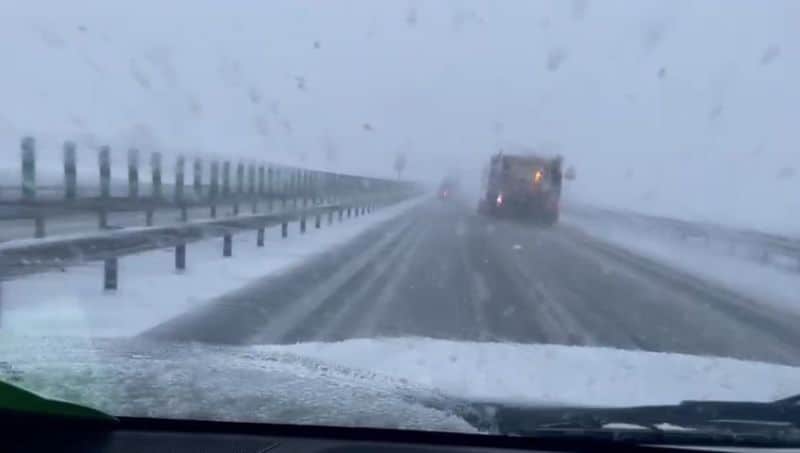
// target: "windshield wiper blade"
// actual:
[[19, 401], [718, 421], [686, 414]]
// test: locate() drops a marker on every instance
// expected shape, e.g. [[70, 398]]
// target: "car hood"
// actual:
[[388, 383]]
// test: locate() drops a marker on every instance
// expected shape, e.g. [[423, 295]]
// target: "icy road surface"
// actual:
[[442, 271]]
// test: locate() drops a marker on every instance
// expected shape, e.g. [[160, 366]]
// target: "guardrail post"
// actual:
[[148, 216], [341, 213], [260, 237], [296, 187], [284, 229], [213, 191], [319, 188], [322, 188], [180, 164], [155, 165], [240, 179], [28, 168], [239, 187], [349, 212], [261, 186], [197, 173], [227, 245], [270, 187], [133, 173], [262, 180], [330, 217], [70, 171], [312, 188], [289, 186], [180, 257], [297, 193], [226, 179], [104, 159], [332, 189], [318, 221], [306, 187], [303, 223], [251, 187], [110, 271]]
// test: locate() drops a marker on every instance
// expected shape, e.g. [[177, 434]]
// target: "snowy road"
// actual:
[[442, 271]]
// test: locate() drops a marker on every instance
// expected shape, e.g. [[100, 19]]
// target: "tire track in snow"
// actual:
[[291, 324], [395, 272], [241, 315], [343, 312]]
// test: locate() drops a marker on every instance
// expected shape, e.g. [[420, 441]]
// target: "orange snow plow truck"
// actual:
[[522, 186]]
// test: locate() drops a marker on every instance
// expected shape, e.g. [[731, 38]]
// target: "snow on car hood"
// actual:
[[556, 374], [368, 382]]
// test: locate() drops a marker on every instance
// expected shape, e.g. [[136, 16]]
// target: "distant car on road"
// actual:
[[447, 188]]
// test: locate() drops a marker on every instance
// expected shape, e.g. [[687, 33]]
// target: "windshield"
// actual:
[[310, 212]]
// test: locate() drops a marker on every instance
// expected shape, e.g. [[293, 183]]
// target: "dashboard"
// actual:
[[184, 436]]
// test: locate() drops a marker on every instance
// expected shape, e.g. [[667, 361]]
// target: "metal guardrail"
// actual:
[[277, 195], [58, 253], [214, 183], [768, 249]]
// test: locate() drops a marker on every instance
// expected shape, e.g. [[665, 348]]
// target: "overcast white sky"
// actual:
[[447, 81]]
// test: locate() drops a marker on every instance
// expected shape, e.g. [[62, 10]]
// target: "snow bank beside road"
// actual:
[[72, 303], [557, 374], [767, 284]]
